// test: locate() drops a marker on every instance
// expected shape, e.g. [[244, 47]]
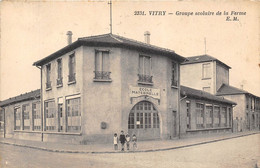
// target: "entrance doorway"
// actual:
[[143, 121]]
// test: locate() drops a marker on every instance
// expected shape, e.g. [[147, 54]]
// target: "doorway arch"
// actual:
[[143, 121]]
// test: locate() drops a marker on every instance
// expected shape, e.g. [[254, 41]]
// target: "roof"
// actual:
[[23, 97], [203, 58], [111, 40], [199, 94], [230, 90]]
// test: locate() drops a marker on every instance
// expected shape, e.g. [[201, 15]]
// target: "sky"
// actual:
[[32, 30]]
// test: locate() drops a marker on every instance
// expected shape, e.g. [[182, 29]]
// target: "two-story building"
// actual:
[[209, 74], [100, 85], [247, 111]]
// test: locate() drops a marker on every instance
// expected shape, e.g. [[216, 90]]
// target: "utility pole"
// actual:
[[110, 4]]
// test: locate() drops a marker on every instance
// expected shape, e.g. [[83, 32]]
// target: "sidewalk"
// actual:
[[143, 146]]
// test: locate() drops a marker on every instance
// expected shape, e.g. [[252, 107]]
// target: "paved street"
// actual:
[[240, 152]]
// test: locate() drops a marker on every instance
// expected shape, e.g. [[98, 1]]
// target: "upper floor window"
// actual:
[[48, 76], [72, 68], [145, 67], [59, 71], [206, 71], [102, 65], [174, 74]]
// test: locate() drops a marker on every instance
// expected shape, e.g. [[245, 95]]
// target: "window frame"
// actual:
[[204, 74], [102, 74], [59, 73], [72, 69], [143, 76]]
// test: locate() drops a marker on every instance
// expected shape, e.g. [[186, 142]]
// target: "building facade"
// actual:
[[103, 84], [204, 113], [21, 116], [247, 111], [204, 73]]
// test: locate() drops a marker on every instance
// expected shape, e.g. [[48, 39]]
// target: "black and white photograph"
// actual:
[[130, 84]]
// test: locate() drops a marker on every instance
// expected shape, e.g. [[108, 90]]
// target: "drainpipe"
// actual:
[[41, 106], [180, 115]]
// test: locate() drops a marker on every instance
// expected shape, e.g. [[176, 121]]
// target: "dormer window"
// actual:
[[102, 72], [145, 68]]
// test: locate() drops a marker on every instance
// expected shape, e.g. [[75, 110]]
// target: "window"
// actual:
[[48, 76], [59, 69], [60, 113], [50, 117], [73, 115], [72, 66], [26, 117], [223, 119], [174, 74], [131, 121], [17, 118], [145, 69], [147, 120], [156, 121], [199, 115], [1, 119], [230, 116], [102, 65], [143, 115], [209, 116], [188, 114], [206, 71], [206, 89], [216, 115], [36, 113]]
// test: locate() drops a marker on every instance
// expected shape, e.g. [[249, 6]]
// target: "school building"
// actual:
[[211, 75], [103, 84]]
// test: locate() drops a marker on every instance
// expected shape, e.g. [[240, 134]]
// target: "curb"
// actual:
[[137, 151]]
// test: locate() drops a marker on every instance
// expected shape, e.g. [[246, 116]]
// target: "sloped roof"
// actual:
[[111, 40], [199, 94], [230, 90], [202, 58], [23, 97]]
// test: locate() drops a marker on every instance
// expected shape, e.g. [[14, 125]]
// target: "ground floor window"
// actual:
[[216, 116], [36, 115], [143, 115], [199, 115], [50, 115], [17, 118], [188, 114], [223, 119], [26, 117], [2, 120], [209, 116], [73, 114]]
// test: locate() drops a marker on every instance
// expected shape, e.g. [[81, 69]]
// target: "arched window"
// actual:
[[143, 116]]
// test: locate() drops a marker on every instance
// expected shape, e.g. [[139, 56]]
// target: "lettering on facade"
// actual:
[[143, 91]]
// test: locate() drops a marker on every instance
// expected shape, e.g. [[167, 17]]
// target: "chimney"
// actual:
[[147, 37], [242, 87], [69, 37]]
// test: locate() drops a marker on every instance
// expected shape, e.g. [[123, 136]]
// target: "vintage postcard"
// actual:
[[116, 83]]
